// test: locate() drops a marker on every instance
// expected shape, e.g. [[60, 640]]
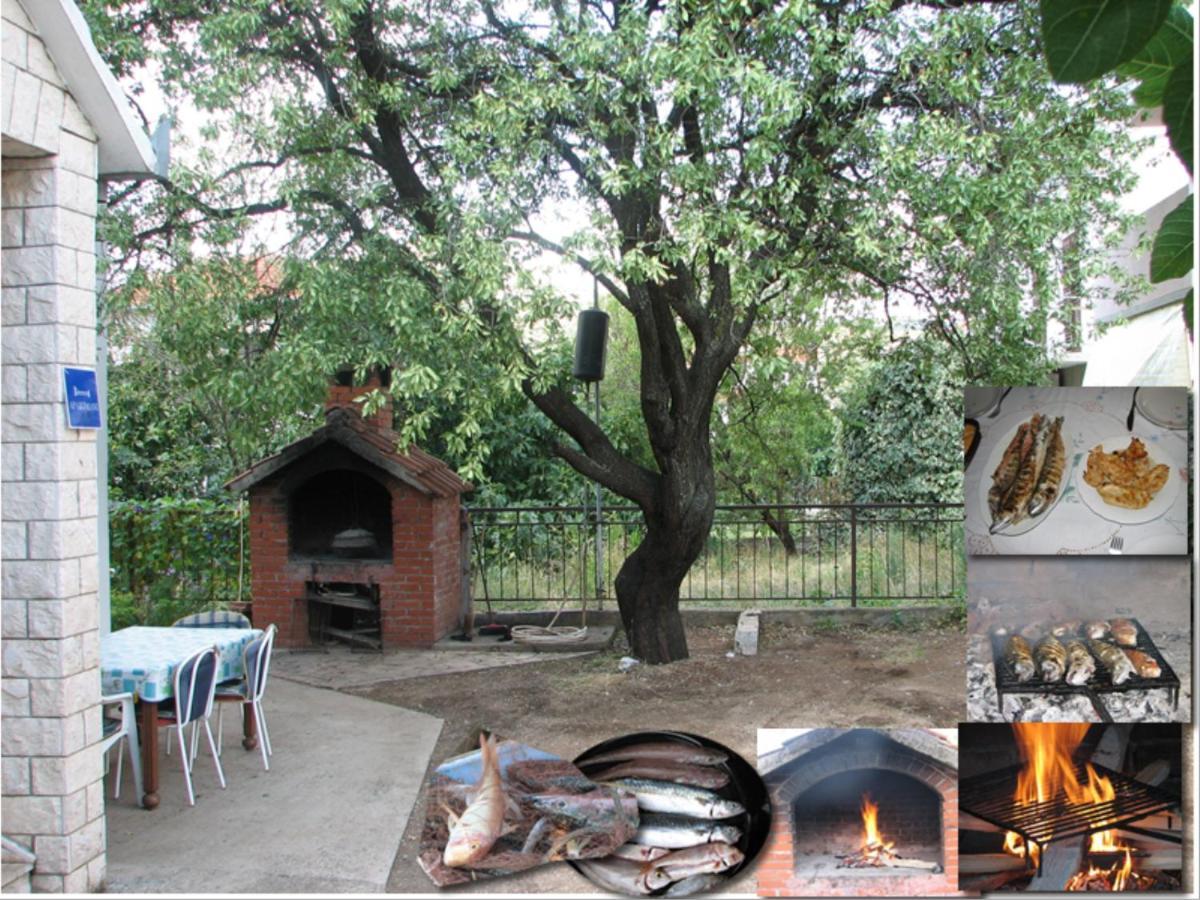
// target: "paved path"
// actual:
[[326, 819], [343, 669]]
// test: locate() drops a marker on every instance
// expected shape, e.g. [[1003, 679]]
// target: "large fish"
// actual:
[[675, 832], [474, 832], [1145, 664], [1020, 658], [1006, 472], [696, 884], [1051, 658], [680, 773], [1124, 632], [700, 860], [668, 751], [679, 799], [1080, 665], [624, 876], [1110, 656], [1050, 476]]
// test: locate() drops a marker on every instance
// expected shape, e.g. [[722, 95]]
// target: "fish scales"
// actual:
[[1051, 658], [1020, 657], [680, 773], [668, 751], [674, 832], [1080, 665], [681, 799], [1117, 663]]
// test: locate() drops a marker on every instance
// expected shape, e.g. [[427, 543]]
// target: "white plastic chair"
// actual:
[[195, 683], [116, 730], [256, 660]]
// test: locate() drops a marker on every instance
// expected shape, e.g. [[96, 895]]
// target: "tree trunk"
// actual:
[[782, 529], [650, 578]]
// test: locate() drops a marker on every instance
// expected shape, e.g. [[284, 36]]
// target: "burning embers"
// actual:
[[876, 851]]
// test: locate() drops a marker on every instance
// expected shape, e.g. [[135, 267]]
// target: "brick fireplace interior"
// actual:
[[352, 539], [817, 781]]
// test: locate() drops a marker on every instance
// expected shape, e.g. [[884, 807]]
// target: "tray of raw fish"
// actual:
[[1102, 656], [507, 807], [703, 811]]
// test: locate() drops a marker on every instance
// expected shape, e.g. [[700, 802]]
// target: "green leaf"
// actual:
[[1178, 98], [1086, 38], [1172, 253], [1188, 309], [1152, 65]]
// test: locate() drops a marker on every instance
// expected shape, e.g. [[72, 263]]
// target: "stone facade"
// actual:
[[53, 799]]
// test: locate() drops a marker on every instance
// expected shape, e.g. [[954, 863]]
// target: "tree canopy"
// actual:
[[715, 163]]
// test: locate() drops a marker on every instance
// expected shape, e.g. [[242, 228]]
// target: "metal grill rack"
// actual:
[[992, 797], [1101, 683]]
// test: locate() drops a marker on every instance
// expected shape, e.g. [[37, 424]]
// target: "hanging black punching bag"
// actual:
[[591, 345]]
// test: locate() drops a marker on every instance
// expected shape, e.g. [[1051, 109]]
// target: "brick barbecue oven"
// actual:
[[818, 782], [351, 539]]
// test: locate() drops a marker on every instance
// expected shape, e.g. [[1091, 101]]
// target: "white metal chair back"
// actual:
[[195, 685], [257, 661]]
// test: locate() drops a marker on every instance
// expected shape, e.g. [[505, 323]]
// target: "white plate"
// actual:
[[1167, 407], [1162, 501], [999, 434]]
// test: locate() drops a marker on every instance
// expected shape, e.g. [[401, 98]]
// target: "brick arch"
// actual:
[[894, 759]]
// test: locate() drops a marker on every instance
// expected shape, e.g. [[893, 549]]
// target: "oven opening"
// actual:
[[340, 514]]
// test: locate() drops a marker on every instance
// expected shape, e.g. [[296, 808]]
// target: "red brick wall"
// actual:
[[777, 873], [418, 589]]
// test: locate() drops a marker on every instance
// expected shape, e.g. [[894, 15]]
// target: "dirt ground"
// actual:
[[800, 678]]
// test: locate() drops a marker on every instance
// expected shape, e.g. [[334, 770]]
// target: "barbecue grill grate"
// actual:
[[1101, 683], [992, 797]]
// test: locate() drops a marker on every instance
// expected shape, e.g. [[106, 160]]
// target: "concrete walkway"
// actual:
[[327, 818]]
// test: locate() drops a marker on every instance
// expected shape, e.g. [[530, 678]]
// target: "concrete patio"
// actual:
[[327, 818]]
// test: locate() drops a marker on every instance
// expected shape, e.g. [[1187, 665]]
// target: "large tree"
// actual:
[[713, 161]]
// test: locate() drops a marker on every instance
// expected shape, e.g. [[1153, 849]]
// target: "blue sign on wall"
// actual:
[[83, 398]]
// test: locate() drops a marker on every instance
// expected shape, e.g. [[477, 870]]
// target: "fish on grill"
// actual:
[[1066, 629], [1096, 630], [1020, 657], [1116, 662], [1051, 658], [1143, 663], [1124, 632], [1080, 665]]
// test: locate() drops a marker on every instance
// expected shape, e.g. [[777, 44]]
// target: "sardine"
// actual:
[[1124, 632], [1145, 664], [700, 860], [1117, 663], [1020, 657], [680, 773], [1016, 501], [474, 832], [696, 884], [675, 832], [668, 751], [1051, 658], [679, 799], [1080, 665], [1010, 462], [1096, 630], [624, 876], [1066, 629], [1050, 476], [590, 807], [640, 853]]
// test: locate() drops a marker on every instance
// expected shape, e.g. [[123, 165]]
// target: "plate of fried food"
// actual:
[[1028, 467], [1129, 481]]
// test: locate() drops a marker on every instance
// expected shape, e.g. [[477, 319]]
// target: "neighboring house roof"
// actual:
[[124, 147], [925, 742], [378, 446]]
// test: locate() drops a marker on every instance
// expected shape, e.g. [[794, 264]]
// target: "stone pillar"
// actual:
[[53, 798]]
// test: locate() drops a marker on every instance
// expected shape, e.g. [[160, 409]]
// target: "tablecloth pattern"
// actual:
[[1071, 526], [142, 659]]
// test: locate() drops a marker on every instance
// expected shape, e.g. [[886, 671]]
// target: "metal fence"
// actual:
[[835, 554]]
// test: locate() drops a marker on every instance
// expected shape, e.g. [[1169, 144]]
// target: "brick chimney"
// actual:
[[343, 393]]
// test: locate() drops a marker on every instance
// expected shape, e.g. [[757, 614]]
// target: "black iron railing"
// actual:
[[869, 554]]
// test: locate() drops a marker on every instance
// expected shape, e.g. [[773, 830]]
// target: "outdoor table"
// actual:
[[1091, 415], [142, 660]]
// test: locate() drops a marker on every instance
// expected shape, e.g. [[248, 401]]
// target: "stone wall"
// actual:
[[53, 799]]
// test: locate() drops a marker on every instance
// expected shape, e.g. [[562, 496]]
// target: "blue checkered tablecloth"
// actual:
[[142, 659]]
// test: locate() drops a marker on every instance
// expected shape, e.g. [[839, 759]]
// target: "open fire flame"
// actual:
[[875, 850], [1048, 752]]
